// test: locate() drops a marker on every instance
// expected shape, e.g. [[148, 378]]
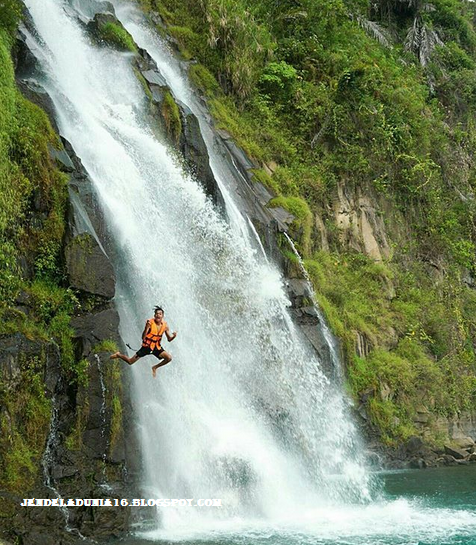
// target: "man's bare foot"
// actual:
[[154, 371], [114, 356]]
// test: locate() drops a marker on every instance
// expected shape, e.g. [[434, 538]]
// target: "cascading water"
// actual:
[[103, 416], [48, 459], [243, 412]]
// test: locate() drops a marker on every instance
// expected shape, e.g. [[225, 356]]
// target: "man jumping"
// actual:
[[151, 342]]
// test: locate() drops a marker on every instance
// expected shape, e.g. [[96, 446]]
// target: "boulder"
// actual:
[[16, 348], [154, 78], [463, 442], [414, 445], [99, 20], [462, 462], [88, 267], [93, 328], [457, 453], [24, 58]]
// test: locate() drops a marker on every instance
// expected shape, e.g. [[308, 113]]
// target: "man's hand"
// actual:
[[172, 337]]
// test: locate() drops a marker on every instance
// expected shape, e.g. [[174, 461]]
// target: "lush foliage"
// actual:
[[381, 97], [24, 423], [417, 341], [33, 297]]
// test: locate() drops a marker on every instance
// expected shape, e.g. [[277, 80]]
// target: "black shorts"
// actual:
[[145, 351]]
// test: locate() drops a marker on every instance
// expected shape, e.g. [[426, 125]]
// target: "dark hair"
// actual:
[[158, 308]]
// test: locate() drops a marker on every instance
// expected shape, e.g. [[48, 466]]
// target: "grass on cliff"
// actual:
[[420, 348], [33, 200], [323, 95], [24, 424], [325, 102]]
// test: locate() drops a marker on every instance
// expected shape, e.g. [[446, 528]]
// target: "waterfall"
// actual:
[[244, 411]]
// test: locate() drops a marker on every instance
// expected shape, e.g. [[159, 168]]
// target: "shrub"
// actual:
[[277, 80]]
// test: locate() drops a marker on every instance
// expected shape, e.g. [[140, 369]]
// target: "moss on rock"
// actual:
[[171, 114], [116, 35], [301, 227]]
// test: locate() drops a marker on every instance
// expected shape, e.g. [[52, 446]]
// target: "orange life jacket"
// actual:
[[154, 336]]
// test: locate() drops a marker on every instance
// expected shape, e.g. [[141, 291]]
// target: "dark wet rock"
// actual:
[[23, 57], [414, 445], [90, 329], [362, 412], [283, 218], [143, 61], [63, 160], [35, 92], [89, 268], [154, 78], [17, 349], [240, 159], [263, 194], [79, 170], [86, 445], [190, 141], [299, 291], [195, 152]]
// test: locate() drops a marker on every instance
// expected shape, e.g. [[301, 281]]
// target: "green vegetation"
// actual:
[[33, 199], [113, 401], [419, 339], [171, 114], [116, 35], [24, 424], [376, 99], [106, 346]]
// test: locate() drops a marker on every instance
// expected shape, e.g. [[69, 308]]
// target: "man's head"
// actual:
[[158, 313]]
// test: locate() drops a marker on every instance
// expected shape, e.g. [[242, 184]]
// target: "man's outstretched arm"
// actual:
[[170, 337]]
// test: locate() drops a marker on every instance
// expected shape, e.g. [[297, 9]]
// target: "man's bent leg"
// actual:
[[130, 361], [164, 358]]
